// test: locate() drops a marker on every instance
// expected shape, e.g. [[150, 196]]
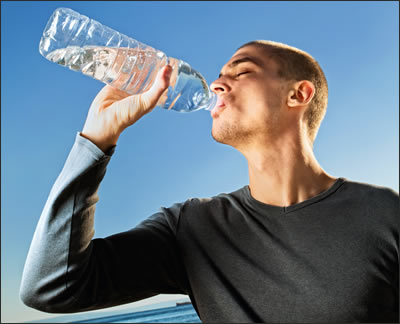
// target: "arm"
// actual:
[[67, 271]]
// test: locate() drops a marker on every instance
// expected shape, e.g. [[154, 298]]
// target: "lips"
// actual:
[[219, 106]]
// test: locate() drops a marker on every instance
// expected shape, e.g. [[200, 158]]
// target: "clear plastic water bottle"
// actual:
[[83, 44]]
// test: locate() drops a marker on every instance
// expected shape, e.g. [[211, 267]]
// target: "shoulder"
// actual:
[[212, 209], [193, 209], [375, 193], [374, 199], [221, 199], [378, 206]]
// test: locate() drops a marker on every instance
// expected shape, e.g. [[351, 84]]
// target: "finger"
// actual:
[[161, 83], [130, 109]]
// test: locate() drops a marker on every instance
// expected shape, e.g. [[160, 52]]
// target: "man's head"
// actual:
[[265, 89]]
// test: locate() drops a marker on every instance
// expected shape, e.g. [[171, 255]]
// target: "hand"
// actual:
[[114, 110]]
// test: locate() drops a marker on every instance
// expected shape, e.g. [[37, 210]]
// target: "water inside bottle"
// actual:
[[134, 71]]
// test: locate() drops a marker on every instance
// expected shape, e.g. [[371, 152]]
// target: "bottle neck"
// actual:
[[212, 102]]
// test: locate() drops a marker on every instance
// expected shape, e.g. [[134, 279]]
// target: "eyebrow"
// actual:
[[242, 60]]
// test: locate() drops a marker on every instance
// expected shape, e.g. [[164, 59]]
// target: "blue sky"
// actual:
[[168, 156]]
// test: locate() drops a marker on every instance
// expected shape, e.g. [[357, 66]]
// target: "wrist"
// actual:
[[103, 144]]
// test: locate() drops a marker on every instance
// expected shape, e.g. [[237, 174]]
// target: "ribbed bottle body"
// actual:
[[84, 45]]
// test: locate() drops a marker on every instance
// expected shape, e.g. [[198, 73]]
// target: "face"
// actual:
[[250, 99]]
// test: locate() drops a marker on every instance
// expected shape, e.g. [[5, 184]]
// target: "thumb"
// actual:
[[132, 108], [150, 97]]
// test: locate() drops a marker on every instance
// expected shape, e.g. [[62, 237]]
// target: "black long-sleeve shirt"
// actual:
[[331, 258]]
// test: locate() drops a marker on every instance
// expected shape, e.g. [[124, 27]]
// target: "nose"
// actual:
[[218, 87]]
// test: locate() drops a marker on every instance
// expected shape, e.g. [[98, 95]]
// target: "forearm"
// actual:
[[66, 271], [61, 245]]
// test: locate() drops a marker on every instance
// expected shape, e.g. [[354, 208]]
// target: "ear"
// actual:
[[301, 94]]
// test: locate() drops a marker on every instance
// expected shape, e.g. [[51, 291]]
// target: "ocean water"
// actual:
[[175, 314]]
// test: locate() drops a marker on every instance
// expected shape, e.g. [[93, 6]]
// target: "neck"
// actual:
[[285, 173]]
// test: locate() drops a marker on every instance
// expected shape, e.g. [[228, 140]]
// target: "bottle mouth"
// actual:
[[212, 102]]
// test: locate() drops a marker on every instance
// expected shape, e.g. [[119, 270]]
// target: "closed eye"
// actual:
[[241, 73]]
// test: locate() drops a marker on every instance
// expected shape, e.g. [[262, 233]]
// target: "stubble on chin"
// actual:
[[229, 134]]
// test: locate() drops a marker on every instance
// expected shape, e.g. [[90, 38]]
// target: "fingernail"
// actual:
[[169, 71]]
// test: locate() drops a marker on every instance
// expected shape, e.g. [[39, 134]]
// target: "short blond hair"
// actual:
[[295, 64]]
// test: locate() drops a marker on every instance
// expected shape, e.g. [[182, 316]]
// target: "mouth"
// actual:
[[220, 105]]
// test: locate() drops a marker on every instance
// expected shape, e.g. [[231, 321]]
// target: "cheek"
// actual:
[[260, 100], [268, 99], [256, 98], [263, 107]]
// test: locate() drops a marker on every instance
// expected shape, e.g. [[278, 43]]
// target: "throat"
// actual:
[[285, 195], [283, 186]]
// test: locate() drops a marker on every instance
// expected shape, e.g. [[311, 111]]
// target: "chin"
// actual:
[[234, 134], [216, 135], [224, 133]]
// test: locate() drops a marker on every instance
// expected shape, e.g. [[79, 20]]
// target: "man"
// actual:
[[295, 245]]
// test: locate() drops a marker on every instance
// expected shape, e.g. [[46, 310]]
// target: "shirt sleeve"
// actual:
[[67, 271]]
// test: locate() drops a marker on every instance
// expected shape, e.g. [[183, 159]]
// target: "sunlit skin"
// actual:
[[261, 115], [113, 110], [257, 113]]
